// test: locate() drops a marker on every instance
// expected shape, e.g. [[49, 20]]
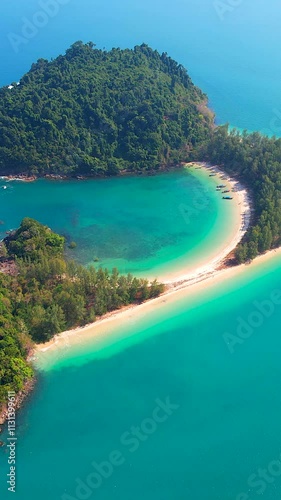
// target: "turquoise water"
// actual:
[[223, 426], [144, 225], [234, 56], [223, 432]]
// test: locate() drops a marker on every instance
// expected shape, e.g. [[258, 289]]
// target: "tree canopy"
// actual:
[[256, 160], [94, 112], [48, 294]]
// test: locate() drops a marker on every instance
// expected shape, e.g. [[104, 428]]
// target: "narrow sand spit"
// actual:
[[115, 320], [177, 286]]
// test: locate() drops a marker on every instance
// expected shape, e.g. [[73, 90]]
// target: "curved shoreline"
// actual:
[[112, 321], [199, 276], [240, 226]]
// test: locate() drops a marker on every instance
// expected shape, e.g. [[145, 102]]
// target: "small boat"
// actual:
[[227, 198], [4, 187], [227, 191], [212, 175], [221, 186]]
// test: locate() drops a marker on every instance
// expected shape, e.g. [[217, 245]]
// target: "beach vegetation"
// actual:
[[255, 160], [49, 294]]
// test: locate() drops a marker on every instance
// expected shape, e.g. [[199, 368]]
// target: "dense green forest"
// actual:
[[256, 160], [43, 294], [92, 112]]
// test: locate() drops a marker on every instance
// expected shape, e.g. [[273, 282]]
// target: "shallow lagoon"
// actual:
[[148, 226]]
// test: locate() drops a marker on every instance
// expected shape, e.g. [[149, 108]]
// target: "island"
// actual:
[[93, 113]]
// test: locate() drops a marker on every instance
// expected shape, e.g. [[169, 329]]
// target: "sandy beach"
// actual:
[[239, 226], [208, 275], [115, 320]]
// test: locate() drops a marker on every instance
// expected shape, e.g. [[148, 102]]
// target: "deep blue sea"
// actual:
[[230, 47]]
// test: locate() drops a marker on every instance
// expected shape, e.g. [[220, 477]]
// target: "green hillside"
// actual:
[[93, 112]]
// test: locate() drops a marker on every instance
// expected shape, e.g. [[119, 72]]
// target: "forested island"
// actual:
[[42, 294], [96, 113], [92, 112]]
